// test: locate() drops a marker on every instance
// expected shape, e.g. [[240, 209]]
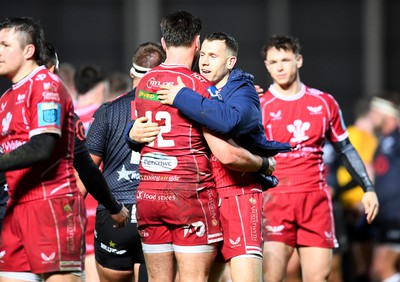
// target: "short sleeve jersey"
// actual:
[[39, 104], [305, 120], [179, 157], [106, 139]]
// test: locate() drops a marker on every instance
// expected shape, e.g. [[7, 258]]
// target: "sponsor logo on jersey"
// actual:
[[127, 174], [195, 227], [275, 229], [198, 77], [141, 195], [214, 93], [212, 206], [298, 129], [234, 243], [153, 83], [315, 110], [49, 114], [20, 98], [158, 162], [5, 123], [50, 91], [12, 145], [276, 116], [48, 258], [111, 249], [254, 222], [150, 96], [40, 77], [328, 235], [143, 233]]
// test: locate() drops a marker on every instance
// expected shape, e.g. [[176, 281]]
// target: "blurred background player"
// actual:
[[385, 113], [91, 85], [118, 83], [349, 193]]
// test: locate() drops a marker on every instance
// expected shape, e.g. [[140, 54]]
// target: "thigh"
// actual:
[[117, 248], [241, 225], [275, 261], [194, 266], [160, 266], [315, 263]]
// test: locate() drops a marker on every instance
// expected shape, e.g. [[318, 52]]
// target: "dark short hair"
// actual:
[[86, 77], [31, 33], [287, 43], [50, 55], [180, 28], [230, 42]]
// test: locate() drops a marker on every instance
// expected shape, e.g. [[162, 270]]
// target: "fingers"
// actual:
[[372, 213], [122, 218], [371, 205]]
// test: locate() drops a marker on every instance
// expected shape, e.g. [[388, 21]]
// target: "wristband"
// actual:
[[264, 166], [370, 189]]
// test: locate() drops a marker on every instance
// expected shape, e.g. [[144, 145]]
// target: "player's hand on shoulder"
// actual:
[[167, 93]]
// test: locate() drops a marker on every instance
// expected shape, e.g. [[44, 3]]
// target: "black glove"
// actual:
[[267, 181]]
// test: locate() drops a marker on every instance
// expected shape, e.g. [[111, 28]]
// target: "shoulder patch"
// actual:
[[49, 114]]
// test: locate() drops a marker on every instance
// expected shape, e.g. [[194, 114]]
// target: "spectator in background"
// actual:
[[118, 83], [360, 233], [123, 256], [385, 113], [67, 72], [91, 84]]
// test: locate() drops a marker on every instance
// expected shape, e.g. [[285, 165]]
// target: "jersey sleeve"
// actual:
[[337, 131], [97, 134], [47, 106]]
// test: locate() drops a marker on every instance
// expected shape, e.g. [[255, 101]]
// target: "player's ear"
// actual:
[[231, 62], [299, 61], [29, 51], [198, 44], [164, 46]]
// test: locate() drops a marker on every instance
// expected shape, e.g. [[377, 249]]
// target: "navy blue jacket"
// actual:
[[234, 112]]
